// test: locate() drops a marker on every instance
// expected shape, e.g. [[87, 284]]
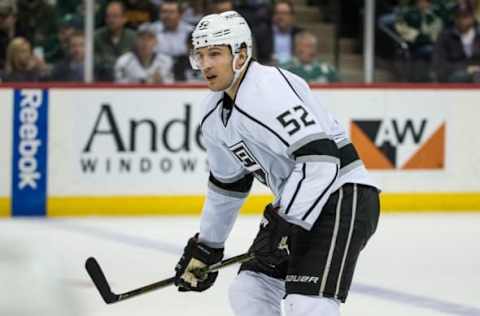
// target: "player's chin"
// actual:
[[215, 86]]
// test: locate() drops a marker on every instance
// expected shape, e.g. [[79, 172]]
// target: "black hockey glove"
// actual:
[[271, 245], [196, 256]]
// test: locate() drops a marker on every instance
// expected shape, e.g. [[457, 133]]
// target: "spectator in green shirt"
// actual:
[[444, 9], [420, 27], [305, 62], [111, 41]]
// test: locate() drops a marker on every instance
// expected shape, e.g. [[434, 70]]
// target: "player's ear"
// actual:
[[242, 57]]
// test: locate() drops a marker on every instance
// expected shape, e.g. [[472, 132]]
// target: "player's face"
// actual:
[[216, 65]]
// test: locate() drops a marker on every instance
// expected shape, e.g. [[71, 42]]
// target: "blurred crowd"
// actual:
[[148, 41], [434, 40], [141, 41]]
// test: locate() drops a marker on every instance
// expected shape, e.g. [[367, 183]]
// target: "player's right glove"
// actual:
[[196, 256], [271, 245]]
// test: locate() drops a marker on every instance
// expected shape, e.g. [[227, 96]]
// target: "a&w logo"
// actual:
[[242, 153], [400, 143]]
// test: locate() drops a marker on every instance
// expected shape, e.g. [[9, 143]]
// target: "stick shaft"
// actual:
[[102, 284], [146, 289], [167, 282], [228, 262]]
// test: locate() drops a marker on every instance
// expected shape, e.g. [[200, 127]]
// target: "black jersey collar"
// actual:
[[226, 110]]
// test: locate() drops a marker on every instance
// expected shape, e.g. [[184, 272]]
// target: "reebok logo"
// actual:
[[29, 144], [400, 143]]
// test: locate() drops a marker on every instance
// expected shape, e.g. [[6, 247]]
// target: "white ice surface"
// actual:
[[416, 264]]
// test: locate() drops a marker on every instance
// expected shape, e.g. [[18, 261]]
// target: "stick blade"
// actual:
[[98, 278]]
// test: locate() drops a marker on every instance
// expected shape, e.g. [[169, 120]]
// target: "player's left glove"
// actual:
[[271, 245], [196, 256]]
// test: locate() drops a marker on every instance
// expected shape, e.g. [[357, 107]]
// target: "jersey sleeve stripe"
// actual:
[[210, 112], [291, 87], [343, 143], [317, 147], [239, 188], [321, 195], [321, 148], [297, 189], [260, 123], [350, 167], [304, 141], [348, 154], [233, 194], [243, 173], [318, 158]]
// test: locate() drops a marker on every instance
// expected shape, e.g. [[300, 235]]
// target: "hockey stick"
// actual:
[[98, 278]]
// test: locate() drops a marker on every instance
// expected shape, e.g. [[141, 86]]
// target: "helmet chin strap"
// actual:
[[236, 72]]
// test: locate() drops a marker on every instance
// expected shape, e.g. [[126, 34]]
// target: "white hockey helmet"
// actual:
[[227, 28]]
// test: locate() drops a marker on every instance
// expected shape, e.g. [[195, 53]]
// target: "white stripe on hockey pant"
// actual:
[[350, 232], [326, 271]]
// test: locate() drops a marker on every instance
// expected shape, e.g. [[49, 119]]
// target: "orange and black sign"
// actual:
[[399, 143]]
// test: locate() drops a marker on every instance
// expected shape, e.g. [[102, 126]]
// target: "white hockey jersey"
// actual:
[[129, 69], [276, 131]]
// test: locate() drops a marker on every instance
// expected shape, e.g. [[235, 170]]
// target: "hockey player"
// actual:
[[264, 122]]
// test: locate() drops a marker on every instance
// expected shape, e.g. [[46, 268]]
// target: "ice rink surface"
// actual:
[[416, 264]]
